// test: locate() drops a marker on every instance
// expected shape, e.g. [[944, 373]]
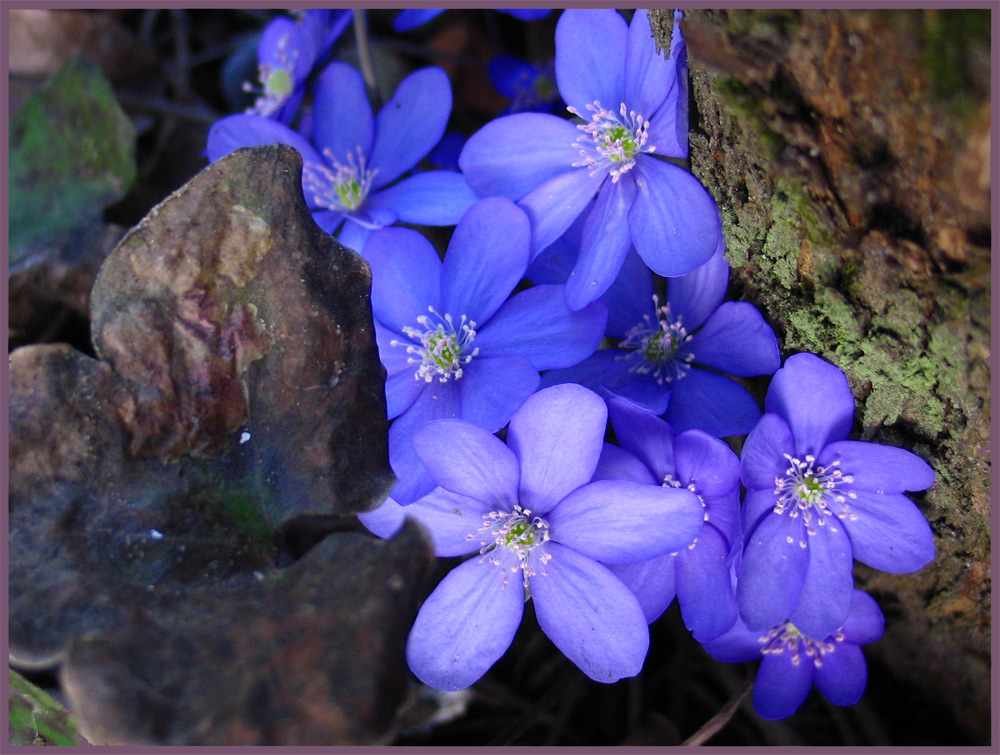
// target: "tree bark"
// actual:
[[849, 152]]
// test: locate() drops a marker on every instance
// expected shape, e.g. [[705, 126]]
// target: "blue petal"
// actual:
[[618, 464], [630, 297], [406, 274], [878, 468], [553, 206], [354, 236], [493, 388], [736, 645], [468, 460], [329, 221], [344, 122], [591, 372], [737, 340], [486, 257], [437, 197], [711, 402], [890, 533], [699, 293], [813, 397], [865, 623], [762, 458], [826, 594], [384, 521], [642, 390], [465, 626], [674, 221], [528, 14], [723, 513], [402, 386], [411, 18], [623, 522], [510, 75], [843, 675], [451, 520], [590, 56], [590, 615], [557, 436], [652, 583], [513, 155], [668, 128], [649, 75], [537, 324], [756, 505], [410, 124], [436, 401], [229, 134], [781, 686], [645, 434], [772, 572], [704, 587], [707, 463], [445, 154], [555, 263], [603, 245]]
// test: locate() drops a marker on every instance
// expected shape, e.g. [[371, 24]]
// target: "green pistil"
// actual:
[[278, 83], [520, 533], [349, 194], [620, 135], [810, 490]]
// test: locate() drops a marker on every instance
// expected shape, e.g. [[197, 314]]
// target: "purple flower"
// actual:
[[792, 661], [348, 178], [287, 52], [530, 88], [632, 102], [816, 501], [452, 342], [699, 574], [541, 527], [670, 359]]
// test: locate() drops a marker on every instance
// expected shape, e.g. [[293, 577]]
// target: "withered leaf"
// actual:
[[238, 396]]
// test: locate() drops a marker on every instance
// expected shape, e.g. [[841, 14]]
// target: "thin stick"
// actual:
[[365, 57], [720, 719]]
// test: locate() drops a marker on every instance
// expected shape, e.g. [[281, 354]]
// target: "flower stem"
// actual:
[[365, 57], [714, 725]]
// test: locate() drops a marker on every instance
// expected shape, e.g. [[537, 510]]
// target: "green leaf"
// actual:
[[33, 714]]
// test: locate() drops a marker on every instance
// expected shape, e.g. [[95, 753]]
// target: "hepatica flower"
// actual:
[[791, 662], [699, 574], [411, 18], [632, 107], [527, 86], [454, 342], [815, 501], [674, 357], [287, 52], [350, 177], [538, 527]]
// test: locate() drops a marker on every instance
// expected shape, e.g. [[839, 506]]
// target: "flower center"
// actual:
[[659, 348], [808, 490], [341, 187], [276, 79], [510, 539], [785, 637], [444, 350], [611, 140]]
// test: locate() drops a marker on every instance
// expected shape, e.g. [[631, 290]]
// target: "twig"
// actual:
[[365, 57], [720, 719]]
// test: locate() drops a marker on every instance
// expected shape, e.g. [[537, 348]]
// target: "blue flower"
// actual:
[[663, 351], [348, 178], [541, 528], [287, 52], [792, 661], [529, 88], [453, 340], [631, 100], [699, 574], [411, 18], [816, 501]]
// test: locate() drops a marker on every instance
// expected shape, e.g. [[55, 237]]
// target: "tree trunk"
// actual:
[[849, 152]]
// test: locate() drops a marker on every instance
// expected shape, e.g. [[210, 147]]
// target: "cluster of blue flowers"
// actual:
[[546, 318]]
